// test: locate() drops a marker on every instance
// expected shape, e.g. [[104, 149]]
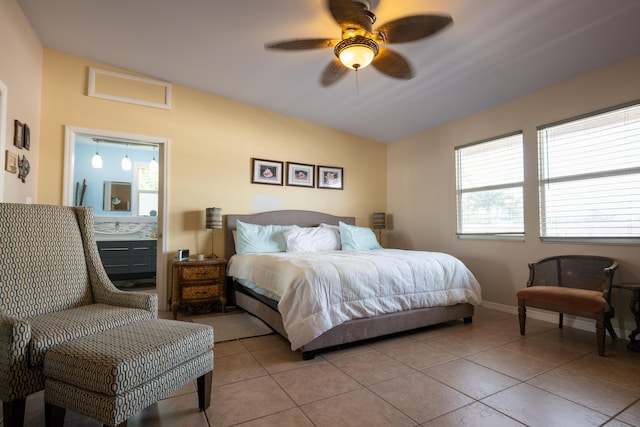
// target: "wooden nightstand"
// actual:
[[198, 284]]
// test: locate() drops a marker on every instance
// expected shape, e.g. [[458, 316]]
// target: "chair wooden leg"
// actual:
[[609, 326], [53, 415], [600, 336], [522, 316], [204, 390], [13, 412], [560, 320]]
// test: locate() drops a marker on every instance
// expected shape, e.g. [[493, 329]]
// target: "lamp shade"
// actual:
[[214, 218], [379, 220]]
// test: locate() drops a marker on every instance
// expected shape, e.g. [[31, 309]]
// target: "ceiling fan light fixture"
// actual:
[[356, 52]]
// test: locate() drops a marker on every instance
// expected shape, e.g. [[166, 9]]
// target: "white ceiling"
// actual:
[[495, 51]]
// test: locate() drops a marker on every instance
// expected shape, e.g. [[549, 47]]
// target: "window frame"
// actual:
[[504, 235], [543, 181]]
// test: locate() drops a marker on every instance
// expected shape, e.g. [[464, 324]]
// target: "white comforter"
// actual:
[[319, 291]]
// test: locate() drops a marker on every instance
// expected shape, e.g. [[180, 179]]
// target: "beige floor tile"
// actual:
[[543, 350], [617, 423], [371, 368], [470, 378], [181, 411], [595, 394], [417, 354], [314, 382], [239, 367], [355, 409], [576, 339], [631, 415], [619, 366], [464, 343], [246, 400], [229, 348], [264, 342], [346, 351], [290, 418], [474, 415], [535, 407], [280, 358], [420, 397], [516, 365]]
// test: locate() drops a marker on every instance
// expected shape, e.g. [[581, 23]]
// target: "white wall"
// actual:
[[421, 185], [21, 72]]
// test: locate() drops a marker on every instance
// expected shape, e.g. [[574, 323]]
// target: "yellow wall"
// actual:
[[421, 179], [212, 141], [21, 72]]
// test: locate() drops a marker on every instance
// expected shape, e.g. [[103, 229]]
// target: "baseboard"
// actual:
[[552, 317]]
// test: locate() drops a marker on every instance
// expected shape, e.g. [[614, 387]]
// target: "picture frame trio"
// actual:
[[21, 140], [273, 172]]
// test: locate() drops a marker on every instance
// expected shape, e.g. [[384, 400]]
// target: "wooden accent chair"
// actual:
[[578, 285]]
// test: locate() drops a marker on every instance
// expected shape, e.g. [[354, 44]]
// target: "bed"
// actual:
[[392, 315]]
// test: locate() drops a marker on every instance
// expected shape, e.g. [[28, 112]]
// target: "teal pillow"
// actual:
[[253, 238], [355, 238]]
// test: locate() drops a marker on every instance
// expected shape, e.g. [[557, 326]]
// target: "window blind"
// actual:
[[589, 175], [489, 187]]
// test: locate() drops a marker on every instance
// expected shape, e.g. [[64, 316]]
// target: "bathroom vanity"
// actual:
[[128, 259]]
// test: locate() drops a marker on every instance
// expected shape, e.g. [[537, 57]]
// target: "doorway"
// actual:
[[71, 189]]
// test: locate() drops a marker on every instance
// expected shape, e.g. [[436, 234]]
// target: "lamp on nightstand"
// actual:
[[213, 222], [379, 223]]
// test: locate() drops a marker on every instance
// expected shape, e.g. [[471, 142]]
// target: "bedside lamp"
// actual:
[[379, 222], [213, 222]]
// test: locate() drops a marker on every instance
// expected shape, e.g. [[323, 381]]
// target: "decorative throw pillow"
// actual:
[[311, 239], [357, 238], [254, 238]]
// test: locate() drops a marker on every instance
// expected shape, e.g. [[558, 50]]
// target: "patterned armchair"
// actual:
[[53, 289]]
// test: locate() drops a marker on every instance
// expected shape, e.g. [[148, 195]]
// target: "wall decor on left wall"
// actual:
[[10, 162], [17, 133]]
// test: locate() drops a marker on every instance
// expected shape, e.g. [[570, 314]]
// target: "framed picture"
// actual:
[[301, 175], [17, 133], [330, 177], [266, 172], [10, 162], [26, 139]]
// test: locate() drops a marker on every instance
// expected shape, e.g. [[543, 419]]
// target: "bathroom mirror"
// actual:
[[117, 196]]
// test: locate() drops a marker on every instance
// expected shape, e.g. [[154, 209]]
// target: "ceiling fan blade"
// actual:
[[392, 64], [351, 14], [333, 72], [301, 44], [412, 28]]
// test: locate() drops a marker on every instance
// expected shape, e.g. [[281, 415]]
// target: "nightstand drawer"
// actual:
[[193, 293], [201, 273]]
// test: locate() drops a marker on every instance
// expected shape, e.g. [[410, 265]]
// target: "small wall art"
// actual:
[[10, 162], [24, 167], [300, 175], [26, 137], [266, 172], [330, 177], [17, 133]]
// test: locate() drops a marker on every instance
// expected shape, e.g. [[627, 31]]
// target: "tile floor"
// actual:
[[482, 374]]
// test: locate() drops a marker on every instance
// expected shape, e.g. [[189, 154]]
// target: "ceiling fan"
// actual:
[[361, 44]]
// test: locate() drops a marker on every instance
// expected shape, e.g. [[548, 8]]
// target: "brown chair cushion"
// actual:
[[581, 299]]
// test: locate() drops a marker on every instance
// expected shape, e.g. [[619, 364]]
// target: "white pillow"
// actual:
[[355, 238], [311, 239], [254, 238]]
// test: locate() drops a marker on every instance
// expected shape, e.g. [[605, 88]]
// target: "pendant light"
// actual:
[[96, 160], [153, 164], [126, 161]]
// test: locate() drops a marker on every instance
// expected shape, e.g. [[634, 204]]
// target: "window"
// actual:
[[146, 190], [489, 187], [589, 170]]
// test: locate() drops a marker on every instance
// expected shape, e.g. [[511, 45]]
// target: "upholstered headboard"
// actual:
[[285, 217]]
